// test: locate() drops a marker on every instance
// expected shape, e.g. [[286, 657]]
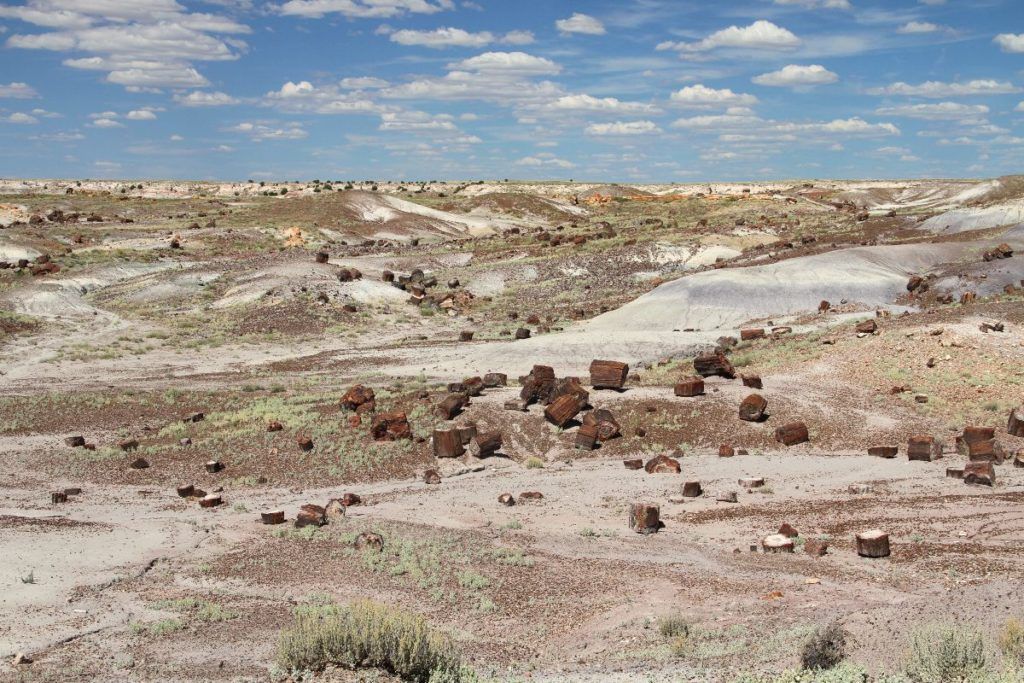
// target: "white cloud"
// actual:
[[940, 111], [518, 38], [796, 76], [262, 131], [622, 128], [761, 35], [739, 120], [416, 121], [589, 103], [363, 83], [519, 63], [362, 9], [817, 4], [18, 91], [21, 118], [545, 161], [442, 37], [581, 23], [938, 89], [141, 115], [305, 98], [176, 138], [912, 27], [701, 96], [144, 44], [45, 114], [104, 122], [200, 98], [1010, 42], [1019, 107]]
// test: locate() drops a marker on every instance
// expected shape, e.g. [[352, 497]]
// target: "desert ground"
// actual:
[[391, 366]]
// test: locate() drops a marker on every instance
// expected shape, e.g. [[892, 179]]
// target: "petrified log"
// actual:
[[633, 464], [586, 437], [335, 509], [391, 426], [727, 497], [185, 490], [607, 426], [530, 495], [539, 385], [485, 445], [726, 451], [1015, 424], [357, 396], [57, 497], [752, 381], [75, 441], [495, 379], [715, 363], [310, 515], [973, 435], [955, 472], [815, 547], [128, 445], [788, 531], [431, 477], [662, 464], [139, 464], [752, 334], [751, 482], [474, 386], [451, 406], [305, 443], [507, 499], [986, 451], [692, 489], [321, 257], [980, 473], [466, 336], [516, 404], [867, 327], [691, 386], [824, 306], [447, 443], [272, 517], [350, 499], [466, 432], [752, 408], [924, 447], [884, 451], [274, 426], [608, 374], [522, 333], [777, 543], [563, 409], [873, 543], [644, 518], [792, 433], [211, 500]]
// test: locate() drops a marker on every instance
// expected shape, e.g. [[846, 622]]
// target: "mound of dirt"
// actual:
[[527, 208], [615, 192]]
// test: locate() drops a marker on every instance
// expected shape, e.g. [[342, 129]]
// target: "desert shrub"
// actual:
[[673, 626], [825, 649], [946, 653], [1011, 641], [368, 634], [533, 463], [844, 673]]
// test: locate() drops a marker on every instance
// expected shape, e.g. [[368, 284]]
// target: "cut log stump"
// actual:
[[873, 543], [608, 374]]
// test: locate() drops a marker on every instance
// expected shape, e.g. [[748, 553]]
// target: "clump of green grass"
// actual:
[[673, 626], [368, 634], [1011, 641], [534, 463]]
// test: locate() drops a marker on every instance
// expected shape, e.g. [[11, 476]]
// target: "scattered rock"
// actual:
[[662, 464]]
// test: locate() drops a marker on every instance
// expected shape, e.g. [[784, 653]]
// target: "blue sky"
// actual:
[[624, 90]]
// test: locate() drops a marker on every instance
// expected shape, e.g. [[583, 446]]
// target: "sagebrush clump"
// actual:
[[368, 634], [825, 649]]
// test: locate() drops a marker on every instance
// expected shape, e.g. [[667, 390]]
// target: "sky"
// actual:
[[618, 90]]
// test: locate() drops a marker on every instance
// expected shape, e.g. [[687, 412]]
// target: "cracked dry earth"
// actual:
[[128, 581]]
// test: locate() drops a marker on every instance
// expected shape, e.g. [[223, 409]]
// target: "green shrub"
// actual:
[[946, 653], [368, 634], [1011, 641], [825, 649]]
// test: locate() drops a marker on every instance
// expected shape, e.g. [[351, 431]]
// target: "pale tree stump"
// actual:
[[873, 543], [777, 543]]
